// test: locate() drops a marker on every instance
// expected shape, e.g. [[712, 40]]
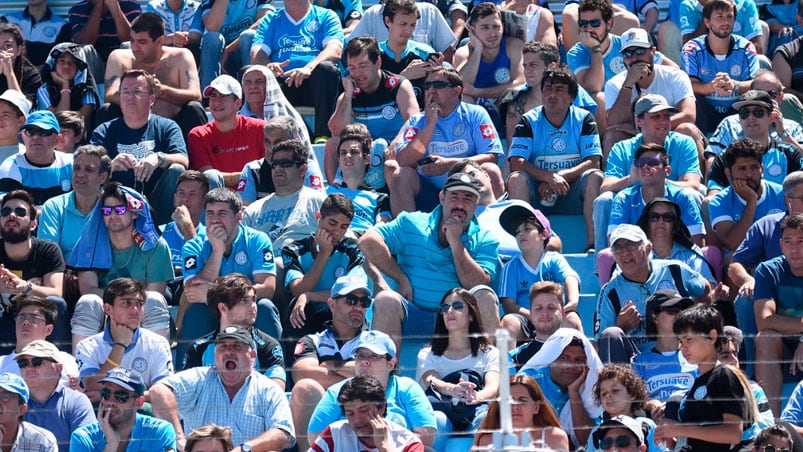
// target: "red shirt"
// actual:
[[227, 152]]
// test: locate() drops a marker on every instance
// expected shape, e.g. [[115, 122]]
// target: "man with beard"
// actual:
[[546, 315], [121, 395], [749, 196], [29, 266], [123, 342], [364, 404], [720, 64], [327, 357], [178, 92], [453, 251], [243, 398]]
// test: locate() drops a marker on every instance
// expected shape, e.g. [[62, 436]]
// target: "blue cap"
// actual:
[[14, 383], [43, 119], [378, 342], [125, 378], [347, 284]]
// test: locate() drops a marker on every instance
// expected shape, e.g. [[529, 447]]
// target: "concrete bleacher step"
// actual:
[[572, 231]]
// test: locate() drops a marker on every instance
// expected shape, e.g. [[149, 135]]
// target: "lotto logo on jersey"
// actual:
[[488, 131], [410, 133], [241, 185], [190, 262]]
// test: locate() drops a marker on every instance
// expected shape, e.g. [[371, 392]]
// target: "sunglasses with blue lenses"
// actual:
[[119, 210], [457, 306], [589, 23]]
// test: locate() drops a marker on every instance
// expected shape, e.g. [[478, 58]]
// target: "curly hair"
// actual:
[[635, 386]]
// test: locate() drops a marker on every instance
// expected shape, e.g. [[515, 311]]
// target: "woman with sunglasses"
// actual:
[[775, 438], [531, 413], [460, 369]]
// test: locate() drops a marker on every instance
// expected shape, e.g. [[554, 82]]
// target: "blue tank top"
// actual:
[[496, 72]]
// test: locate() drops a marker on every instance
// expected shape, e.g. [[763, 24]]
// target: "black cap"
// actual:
[[462, 181], [667, 298], [235, 332], [125, 378]]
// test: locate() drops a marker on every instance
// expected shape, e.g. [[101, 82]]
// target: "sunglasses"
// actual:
[[6, 396], [438, 84], [665, 217], [652, 162], [589, 23], [119, 396], [20, 212], [119, 210], [35, 362], [757, 113], [283, 164], [771, 448], [621, 442], [31, 132], [457, 306], [630, 247], [635, 52], [354, 300], [31, 318]]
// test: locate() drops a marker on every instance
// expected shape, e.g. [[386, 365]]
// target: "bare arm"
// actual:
[[273, 439], [264, 285], [89, 32], [376, 252], [767, 318], [687, 112], [620, 113], [189, 88], [343, 114], [784, 72], [327, 373], [458, 23], [88, 283], [163, 401], [571, 174], [406, 100], [114, 70], [121, 23], [216, 15]]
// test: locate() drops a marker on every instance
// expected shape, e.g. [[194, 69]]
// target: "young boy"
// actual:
[[72, 131], [532, 231], [313, 264]]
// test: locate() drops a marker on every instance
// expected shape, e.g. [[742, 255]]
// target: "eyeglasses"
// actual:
[[119, 210], [634, 52], [33, 132], [771, 448], [652, 162], [119, 396], [283, 164], [354, 300], [665, 217], [437, 84], [20, 212], [35, 362], [757, 113], [457, 306], [589, 23], [6, 396], [621, 442], [33, 319], [630, 247], [368, 357]]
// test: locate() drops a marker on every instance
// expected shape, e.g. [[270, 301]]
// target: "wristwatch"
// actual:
[[28, 288], [245, 447], [162, 157]]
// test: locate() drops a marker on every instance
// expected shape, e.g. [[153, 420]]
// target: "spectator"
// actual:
[[188, 201], [609, 435], [209, 438], [52, 406], [28, 266], [349, 13], [786, 62], [147, 150], [692, 17], [72, 127], [23, 435], [719, 63], [17, 72], [776, 435], [41, 169], [546, 316], [67, 83], [307, 64], [540, 22], [562, 173], [452, 251], [259, 415], [181, 20], [103, 24], [120, 216], [14, 108], [178, 92], [221, 148], [121, 396], [423, 163], [41, 27]]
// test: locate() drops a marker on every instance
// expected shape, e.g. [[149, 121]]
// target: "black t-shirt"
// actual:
[[792, 156], [45, 257], [791, 52]]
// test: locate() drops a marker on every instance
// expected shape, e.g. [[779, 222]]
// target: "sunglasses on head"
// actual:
[[354, 300], [32, 132], [630, 53], [119, 396], [457, 306], [35, 362], [589, 23], [757, 113], [620, 441], [437, 84], [283, 164], [665, 217], [20, 212], [119, 210], [652, 162]]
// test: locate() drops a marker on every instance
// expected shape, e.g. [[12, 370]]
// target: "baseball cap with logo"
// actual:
[[235, 332], [628, 232], [14, 383], [636, 37], [224, 84], [377, 342], [462, 181], [754, 97], [125, 378]]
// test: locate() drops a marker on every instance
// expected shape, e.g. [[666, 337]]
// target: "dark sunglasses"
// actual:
[[635, 52], [589, 23], [457, 306], [771, 448], [438, 84], [31, 132], [119, 396], [354, 300], [648, 161], [621, 442], [35, 362], [283, 164], [20, 212], [119, 210], [757, 113], [665, 217]]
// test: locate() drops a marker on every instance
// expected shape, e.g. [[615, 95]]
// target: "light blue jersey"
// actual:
[[746, 25], [251, 254], [518, 276], [727, 205], [681, 149], [664, 373], [579, 58], [629, 203]]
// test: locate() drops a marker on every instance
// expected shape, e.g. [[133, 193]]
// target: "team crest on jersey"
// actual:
[[488, 131], [389, 112], [410, 133], [299, 348], [774, 170], [392, 81], [241, 185], [51, 31], [459, 129], [139, 364], [376, 160], [267, 255], [736, 70], [559, 144], [618, 64], [700, 392], [502, 75], [241, 258], [339, 271], [356, 91], [312, 26]]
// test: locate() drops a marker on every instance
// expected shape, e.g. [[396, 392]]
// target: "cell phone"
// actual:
[[425, 160]]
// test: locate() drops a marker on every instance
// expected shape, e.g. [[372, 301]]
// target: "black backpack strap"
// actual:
[[674, 269]]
